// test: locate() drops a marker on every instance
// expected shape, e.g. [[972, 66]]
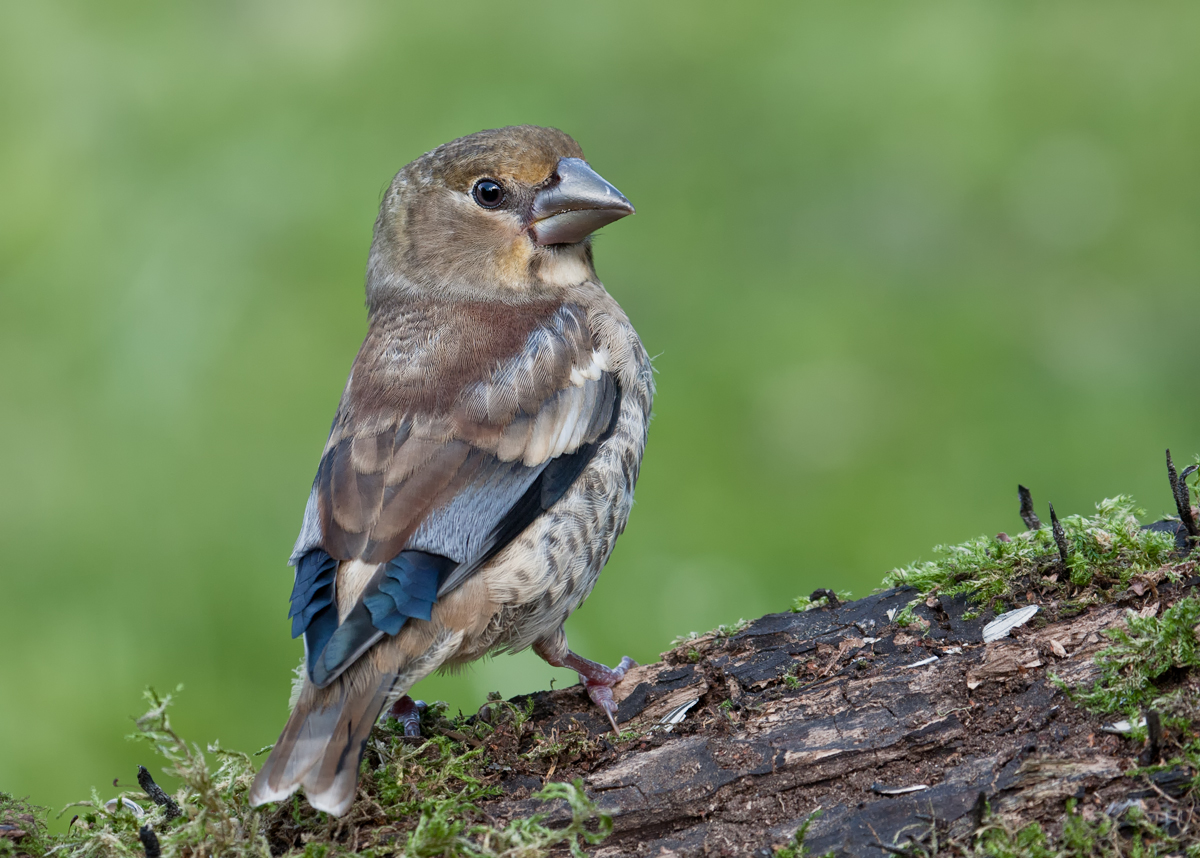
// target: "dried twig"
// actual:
[[146, 782], [149, 841], [1060, 537], [1027, 514], [1183, 502], [1154, 739]]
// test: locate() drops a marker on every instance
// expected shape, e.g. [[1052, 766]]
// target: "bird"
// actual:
[[483, 456]]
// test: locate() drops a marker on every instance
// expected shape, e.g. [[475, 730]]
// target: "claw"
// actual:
[[602, 696], [599, 680]]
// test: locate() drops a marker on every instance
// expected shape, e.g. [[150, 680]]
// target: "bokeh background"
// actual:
[[892, 259]]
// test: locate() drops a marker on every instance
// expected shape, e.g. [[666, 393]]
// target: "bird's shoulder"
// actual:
[[450, 415], [442, 360]]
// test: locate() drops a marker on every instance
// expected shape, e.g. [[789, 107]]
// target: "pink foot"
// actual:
[[596, 679], [408, 712], [599, 680]]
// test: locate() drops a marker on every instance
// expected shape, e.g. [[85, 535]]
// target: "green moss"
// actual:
[[1132, 834], [908, 617], [18, 815], [725, 630], [1142, 654], [562, 747], [415, 800], [1104, 550]]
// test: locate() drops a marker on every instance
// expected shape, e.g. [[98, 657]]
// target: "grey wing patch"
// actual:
[[553, 480], [468, 527], [461, 529]]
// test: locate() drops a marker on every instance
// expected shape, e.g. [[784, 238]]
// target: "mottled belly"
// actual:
[[550, 568]]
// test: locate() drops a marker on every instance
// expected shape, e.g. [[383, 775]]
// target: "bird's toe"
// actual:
[[408, 712]]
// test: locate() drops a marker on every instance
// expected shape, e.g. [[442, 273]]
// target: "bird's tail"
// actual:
[[323, 743]]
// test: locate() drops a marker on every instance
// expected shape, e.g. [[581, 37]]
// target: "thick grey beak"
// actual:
[[577, 206]]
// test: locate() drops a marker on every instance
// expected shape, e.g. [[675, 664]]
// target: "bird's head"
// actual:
[[498, 215]]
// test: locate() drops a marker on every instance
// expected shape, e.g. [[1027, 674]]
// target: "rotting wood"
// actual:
[[802, 712]]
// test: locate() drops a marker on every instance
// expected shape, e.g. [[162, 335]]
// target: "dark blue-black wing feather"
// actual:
[[405, 588], [313, 612]]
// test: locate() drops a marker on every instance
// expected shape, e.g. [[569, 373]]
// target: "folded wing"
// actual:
[[484, 421]]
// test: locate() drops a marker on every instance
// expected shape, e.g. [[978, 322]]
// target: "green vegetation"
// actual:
[[807, 603], [1147, 668], [1132, 834], [17, 816], [790, 679], [1142, 654], [1103, 551], [907, 618], [417, 800], [797, 849], [724, 630]]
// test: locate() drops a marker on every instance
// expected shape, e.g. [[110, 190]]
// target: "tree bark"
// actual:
[[838, 710]]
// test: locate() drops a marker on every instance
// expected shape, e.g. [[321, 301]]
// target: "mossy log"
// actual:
[[885, 730], [882, 726]]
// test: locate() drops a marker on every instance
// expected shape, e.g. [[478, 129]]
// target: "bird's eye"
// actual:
[[488, 194]]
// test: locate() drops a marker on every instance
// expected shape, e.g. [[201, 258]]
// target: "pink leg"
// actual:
[[597, 679], [408, 712]]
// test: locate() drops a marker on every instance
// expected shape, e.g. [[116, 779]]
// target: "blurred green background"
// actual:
[[892, 259]]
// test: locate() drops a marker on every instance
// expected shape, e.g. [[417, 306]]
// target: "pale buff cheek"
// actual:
[[512, 265], [557, 269]]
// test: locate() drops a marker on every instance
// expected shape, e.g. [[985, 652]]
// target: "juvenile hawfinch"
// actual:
[[483, 458]]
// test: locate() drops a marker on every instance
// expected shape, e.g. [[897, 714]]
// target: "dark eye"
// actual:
[[488, 194]]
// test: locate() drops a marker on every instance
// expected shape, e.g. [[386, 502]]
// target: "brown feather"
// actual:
[[322, 745], [407, 503], [445, 348], [331, 784], [470, 385], [355, 494]]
